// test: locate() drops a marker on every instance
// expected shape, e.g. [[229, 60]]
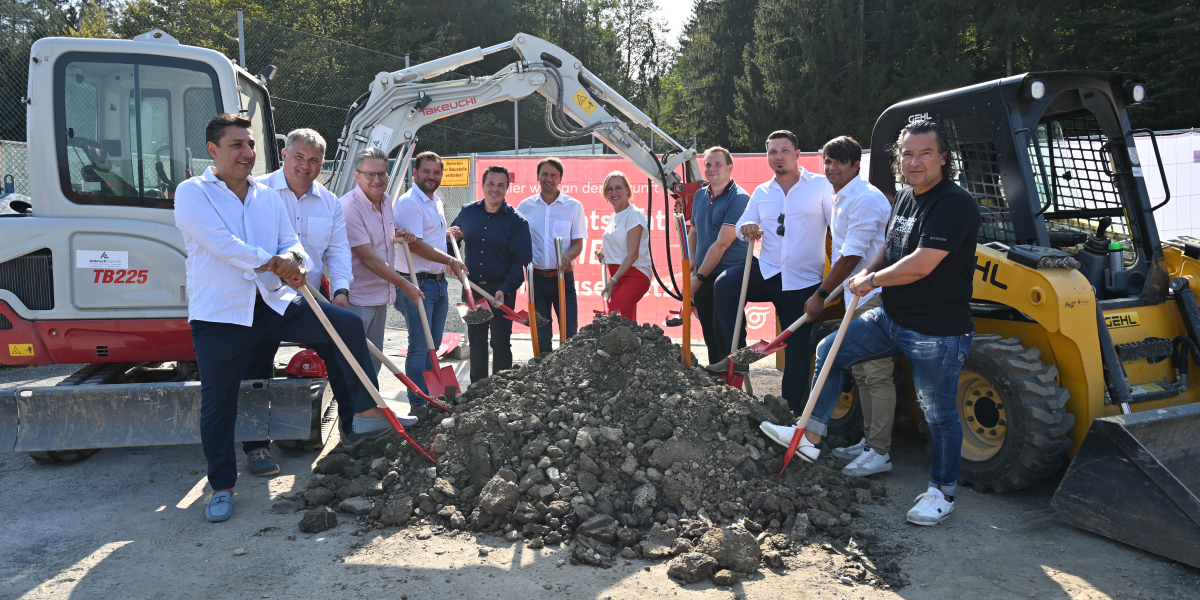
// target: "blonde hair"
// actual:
[[614, 175]]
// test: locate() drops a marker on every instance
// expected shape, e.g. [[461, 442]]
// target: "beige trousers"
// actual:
[[876, 392]]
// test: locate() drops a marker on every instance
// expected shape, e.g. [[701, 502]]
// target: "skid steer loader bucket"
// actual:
[[1136, 479], [36, 419]]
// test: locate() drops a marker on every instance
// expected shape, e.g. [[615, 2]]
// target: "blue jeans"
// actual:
[[418, 361], [224, 350], [935, 362]]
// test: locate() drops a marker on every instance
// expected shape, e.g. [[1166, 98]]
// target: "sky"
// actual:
[[676, 12]]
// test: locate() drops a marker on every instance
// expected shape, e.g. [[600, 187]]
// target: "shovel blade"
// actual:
[[463, 309], [521, 317]]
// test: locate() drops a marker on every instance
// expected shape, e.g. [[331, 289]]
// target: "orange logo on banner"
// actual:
[[456, 172]]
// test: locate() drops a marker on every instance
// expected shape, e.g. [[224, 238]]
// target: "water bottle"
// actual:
[[1116, 262]]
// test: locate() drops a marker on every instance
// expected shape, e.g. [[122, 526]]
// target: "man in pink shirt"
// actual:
[[371, 229]]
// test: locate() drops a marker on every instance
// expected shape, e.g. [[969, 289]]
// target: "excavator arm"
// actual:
[[399, 103]]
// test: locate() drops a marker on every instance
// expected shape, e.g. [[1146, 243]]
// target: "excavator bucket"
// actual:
[[77, 417], [1136, 479]]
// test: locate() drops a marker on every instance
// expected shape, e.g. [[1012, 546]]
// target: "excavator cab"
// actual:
[[1086, 322], [95, 274]]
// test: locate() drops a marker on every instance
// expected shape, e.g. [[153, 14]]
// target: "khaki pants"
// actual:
[[876, 392]]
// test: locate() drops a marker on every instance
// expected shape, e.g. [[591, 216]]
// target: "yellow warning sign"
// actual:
[[584, 102], [20, 349], [456, 172], [1122, 319]]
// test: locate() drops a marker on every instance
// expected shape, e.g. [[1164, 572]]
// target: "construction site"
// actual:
[[617, 465]]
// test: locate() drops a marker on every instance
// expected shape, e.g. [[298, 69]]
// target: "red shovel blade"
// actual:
[[440, 377], [408, 383], [767, 348], [391, 417], [521, 317], [791, 451], [733, 379]]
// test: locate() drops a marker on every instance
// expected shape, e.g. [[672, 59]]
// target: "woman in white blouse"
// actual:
[[625, 250]]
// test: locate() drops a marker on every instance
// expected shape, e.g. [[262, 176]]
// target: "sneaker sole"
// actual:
[[799, 450], [368, 437], [266, 473], [931, 524], [838, 454], [864, 472]]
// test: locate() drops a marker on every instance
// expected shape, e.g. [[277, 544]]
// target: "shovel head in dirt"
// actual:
[[475, 314], [1135, 479], [440, 378]]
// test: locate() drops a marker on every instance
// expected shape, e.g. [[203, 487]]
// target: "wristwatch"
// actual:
[[341, 292], [701, 276], [822, 293], [871, 281]]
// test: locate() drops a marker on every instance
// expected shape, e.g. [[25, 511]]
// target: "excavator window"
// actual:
[[126, 124], [256, 108]]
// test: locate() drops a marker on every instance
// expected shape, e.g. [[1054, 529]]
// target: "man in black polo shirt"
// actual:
[[925, 269], [498, 248]]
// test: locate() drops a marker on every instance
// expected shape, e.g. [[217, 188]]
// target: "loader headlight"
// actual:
[[1139, 93], [1037, 89]]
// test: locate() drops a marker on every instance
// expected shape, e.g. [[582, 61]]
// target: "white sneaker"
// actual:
[[850, 452], [931, 509], [868, 463], [783, 436]]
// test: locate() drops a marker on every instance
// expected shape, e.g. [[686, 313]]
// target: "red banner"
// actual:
[[582, 179]]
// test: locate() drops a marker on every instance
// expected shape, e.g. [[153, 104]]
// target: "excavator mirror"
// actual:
[[269, 73]]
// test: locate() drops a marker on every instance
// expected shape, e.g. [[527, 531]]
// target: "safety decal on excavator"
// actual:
[[20, 349], [1122, 319], [121, 275], [584, 102], [101, 259]]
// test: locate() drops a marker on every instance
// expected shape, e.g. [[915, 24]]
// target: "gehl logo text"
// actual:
[[988, 273]]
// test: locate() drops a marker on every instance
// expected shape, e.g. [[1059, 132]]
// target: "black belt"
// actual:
[[483, 283], [433, 276]]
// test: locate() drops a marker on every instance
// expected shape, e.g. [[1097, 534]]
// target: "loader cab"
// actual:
[[129, 127], [1050, 157]]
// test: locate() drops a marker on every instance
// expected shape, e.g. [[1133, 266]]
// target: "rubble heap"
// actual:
[[612, 446]]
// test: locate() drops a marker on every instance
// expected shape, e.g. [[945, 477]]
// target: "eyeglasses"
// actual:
[[779, 230], [373, 176]]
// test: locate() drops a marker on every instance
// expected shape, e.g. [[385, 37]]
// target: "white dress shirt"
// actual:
[[859, 226], [562, 218], [425, 217], [317, 218], [800, 253], [226, 240]]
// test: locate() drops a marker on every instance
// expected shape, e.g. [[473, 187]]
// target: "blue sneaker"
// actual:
[[219, 508], [260, 463]]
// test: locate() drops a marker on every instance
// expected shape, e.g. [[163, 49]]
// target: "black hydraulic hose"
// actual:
[[677, 294], [356, 106]]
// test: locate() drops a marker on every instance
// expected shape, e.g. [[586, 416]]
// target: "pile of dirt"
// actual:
[[612, 446]]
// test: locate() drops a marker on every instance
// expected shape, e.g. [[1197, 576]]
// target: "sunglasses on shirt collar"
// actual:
[[779, 230]]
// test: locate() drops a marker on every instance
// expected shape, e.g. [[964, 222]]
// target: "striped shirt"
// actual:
[[226, 240]]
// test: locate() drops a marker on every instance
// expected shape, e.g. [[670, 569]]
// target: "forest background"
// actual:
[[738, 70]]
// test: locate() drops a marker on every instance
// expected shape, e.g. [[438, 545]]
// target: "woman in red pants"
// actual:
[[625, 249]]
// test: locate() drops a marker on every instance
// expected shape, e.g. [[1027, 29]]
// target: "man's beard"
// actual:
[[427, 191]]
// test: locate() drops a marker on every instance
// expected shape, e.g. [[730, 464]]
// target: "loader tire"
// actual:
[[1013, 416], [53, 456]]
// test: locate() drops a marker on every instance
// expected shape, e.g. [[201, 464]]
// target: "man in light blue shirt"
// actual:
[[713, 237]]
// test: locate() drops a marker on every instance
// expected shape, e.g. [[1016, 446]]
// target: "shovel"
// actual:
[[510, 314], [731, 378], [763, 348], [607, 291], [440, 378], [816, 389], [362, 376], [687, 292], [533, 335], [562, 294], [472, 313]]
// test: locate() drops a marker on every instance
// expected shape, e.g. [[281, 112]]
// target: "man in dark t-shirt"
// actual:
[[925, 269]]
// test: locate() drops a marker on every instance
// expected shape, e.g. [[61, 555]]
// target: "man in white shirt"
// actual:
[[859, 228], [316, 216], [243, 262], [552, 214], [790, 213], [420, 212]]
